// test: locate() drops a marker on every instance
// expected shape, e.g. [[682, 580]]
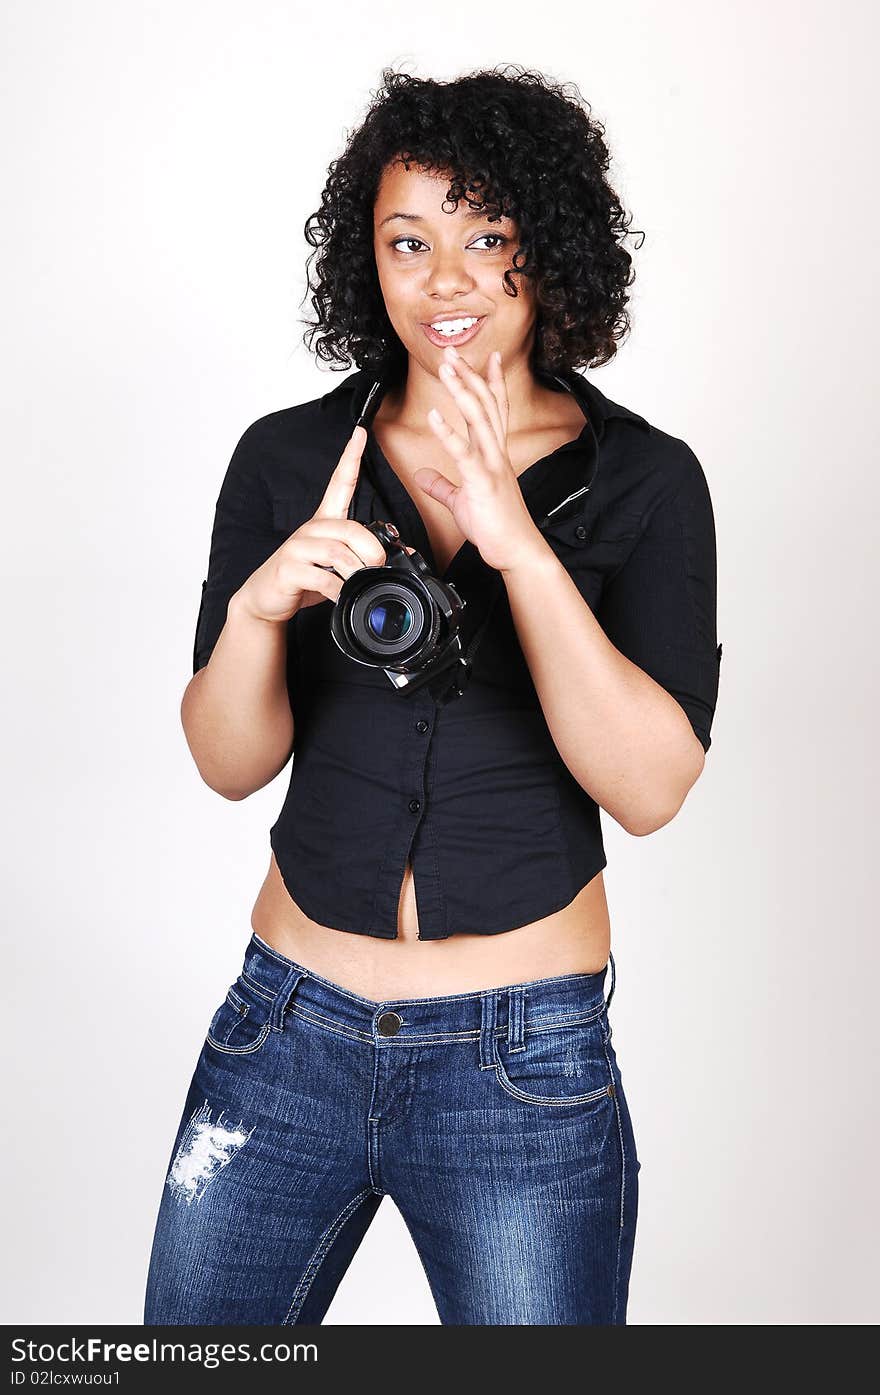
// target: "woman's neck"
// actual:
[[531, 404]]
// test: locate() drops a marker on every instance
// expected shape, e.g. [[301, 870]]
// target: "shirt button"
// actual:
[[580, 532], [389, 1024], [414, 806], [421, 725]]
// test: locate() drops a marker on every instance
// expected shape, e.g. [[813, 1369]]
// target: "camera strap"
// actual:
[[444, 686]]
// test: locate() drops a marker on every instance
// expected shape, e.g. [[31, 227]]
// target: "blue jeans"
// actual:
[[496, 1121]]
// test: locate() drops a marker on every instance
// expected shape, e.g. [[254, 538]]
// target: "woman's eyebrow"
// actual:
[[417, 217]]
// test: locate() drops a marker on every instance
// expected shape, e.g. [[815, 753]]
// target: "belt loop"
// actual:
[[488, 1023], [516, 1015], [613, 981], [283, 997]]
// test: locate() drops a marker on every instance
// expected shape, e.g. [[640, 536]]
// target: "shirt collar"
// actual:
[[559, 485], [359, 384]]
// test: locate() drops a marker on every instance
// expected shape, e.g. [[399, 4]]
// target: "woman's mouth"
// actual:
[[459, 331]]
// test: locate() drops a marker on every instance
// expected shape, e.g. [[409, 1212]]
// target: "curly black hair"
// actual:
[[514, 142]]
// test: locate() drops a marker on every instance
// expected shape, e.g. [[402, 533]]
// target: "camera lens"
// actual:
[[381, 618], [389, 619]]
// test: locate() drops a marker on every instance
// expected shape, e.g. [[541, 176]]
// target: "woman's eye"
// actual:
[[497, 238], [407, 239]]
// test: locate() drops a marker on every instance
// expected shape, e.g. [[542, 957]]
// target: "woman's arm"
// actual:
[[629, 694], [236, 710], [626, 741]]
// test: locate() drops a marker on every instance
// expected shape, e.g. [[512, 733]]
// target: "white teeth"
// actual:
[[451, 327]]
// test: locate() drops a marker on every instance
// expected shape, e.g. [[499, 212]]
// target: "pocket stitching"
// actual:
[[620, 527], [508, 1085], [242, 1007], [514, 1090], [240, 1050]]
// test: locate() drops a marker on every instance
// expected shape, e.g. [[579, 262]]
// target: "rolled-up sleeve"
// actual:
[[243, 537], [659, 609]]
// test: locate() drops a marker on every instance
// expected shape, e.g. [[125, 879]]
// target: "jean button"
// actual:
[[389, 1024]]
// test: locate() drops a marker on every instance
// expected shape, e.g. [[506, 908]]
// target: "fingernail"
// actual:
[[451, 350]]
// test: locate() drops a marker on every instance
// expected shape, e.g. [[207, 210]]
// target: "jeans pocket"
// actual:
[[242, 1022], [561, 1063]]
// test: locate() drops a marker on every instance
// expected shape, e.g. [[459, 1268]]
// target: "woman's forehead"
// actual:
[[419, 193]]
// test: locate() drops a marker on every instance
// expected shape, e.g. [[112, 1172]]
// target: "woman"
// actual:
[[421, 1011]]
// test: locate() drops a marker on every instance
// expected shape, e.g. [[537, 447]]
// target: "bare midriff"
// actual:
[[573, 940], [576, 939]]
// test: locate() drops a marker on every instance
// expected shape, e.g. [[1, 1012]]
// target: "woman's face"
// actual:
[[435, 265]]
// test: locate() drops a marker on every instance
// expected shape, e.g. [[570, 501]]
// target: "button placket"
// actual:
[[424, 727], [411, 752]]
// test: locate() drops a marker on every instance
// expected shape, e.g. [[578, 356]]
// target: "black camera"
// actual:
[[402, 619]]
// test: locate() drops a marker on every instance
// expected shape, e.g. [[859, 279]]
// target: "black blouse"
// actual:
[[500, 833]]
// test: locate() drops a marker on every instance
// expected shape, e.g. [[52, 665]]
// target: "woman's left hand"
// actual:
[[487, 505]]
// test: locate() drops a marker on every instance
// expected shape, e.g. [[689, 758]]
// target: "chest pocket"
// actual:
[[593, 545]]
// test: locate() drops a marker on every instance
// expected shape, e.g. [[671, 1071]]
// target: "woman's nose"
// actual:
[[448, 275]]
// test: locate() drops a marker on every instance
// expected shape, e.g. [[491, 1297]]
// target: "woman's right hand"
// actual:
[[313, 563]]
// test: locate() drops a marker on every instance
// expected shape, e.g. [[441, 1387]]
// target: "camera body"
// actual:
[[403, 619]]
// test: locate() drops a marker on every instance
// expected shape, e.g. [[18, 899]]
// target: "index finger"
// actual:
[[340, 486]]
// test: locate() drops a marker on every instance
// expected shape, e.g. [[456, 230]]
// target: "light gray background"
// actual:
[[158, 167]]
